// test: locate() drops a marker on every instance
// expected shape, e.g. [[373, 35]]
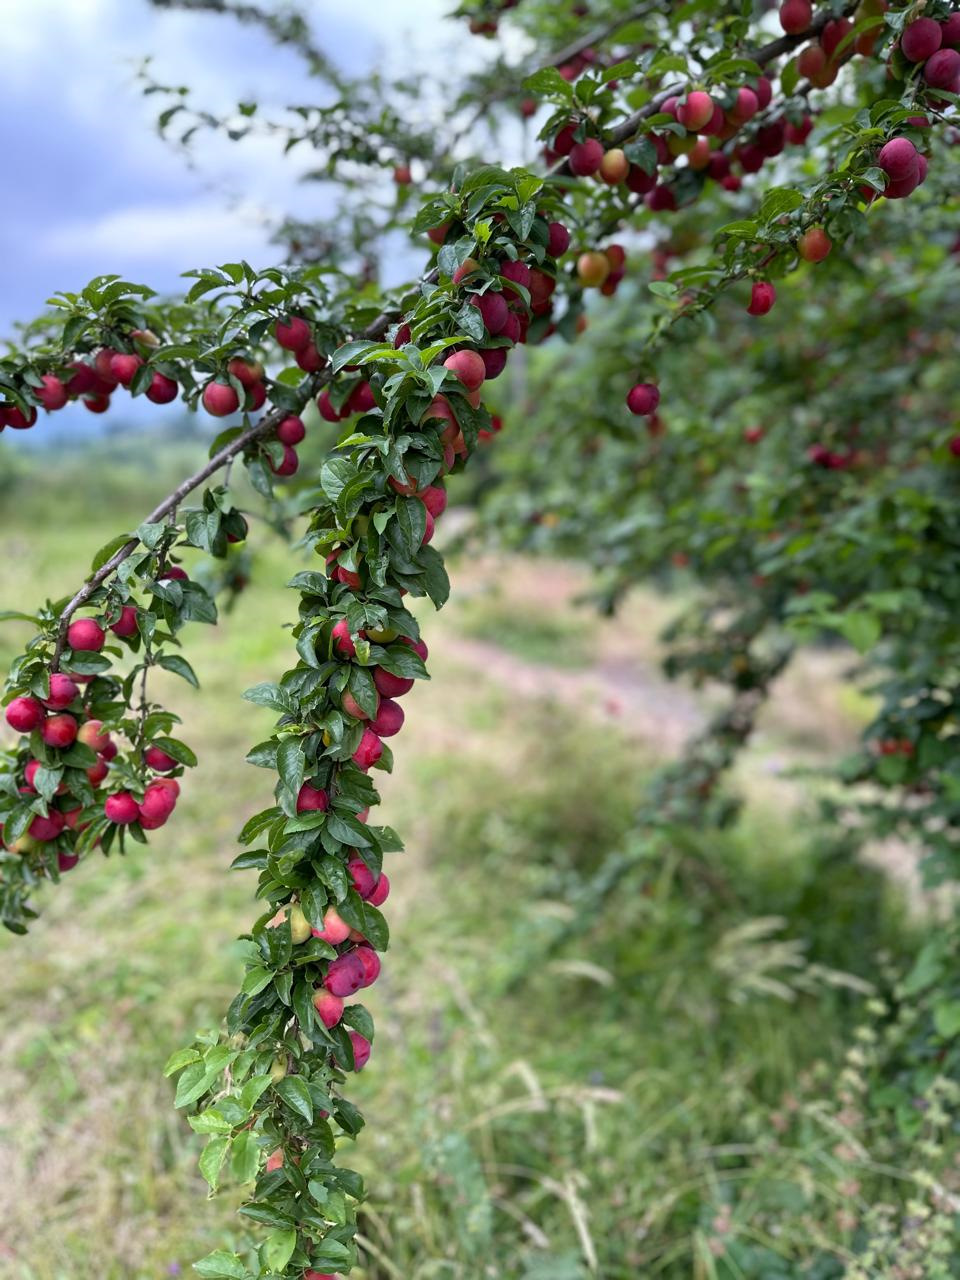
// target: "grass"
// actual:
[[588, 1122]]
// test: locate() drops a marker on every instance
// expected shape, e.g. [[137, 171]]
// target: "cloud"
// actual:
[[180, 235], [97, 190]]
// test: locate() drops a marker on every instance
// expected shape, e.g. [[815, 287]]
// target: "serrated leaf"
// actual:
[[108, 550], [192, 1083], [179, 1059], [256, 979], [245, 1157], [266, 694], [179, 750]]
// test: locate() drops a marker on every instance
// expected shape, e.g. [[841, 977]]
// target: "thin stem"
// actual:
[[597, 36], [173, 500]]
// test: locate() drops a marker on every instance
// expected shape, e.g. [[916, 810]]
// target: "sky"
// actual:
[[91, 187]]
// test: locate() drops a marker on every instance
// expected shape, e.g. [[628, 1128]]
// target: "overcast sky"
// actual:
[[91, 187]]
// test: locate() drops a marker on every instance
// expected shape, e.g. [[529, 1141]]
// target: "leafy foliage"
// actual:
[[851, 532]]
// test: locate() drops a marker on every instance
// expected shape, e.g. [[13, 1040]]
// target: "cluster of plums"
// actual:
[[93, 382], [926, 43], [60, 720], [709, 123], [505, 314]]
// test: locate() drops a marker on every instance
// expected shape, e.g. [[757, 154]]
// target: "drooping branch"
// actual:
[[173, 500]]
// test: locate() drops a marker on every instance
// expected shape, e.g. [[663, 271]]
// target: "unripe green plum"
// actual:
[[300, 929]]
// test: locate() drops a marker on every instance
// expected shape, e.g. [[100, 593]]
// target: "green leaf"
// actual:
[[643, 154], [863, 630], [331, 1253], [283, 982], [109, 549], [209, 1121], [179, 666], [335, 475], [245, 1157], [278, 1249], [946, 1018], [151, 534], [179, 750], [362, 688], [436, 583], [549, 82], [256, 979], [778, 201], [743, 229], [13, 615], [303, 1007], [401, 660], [291, 763], [294, 1092], [470, 322], [352, 353], [191, 1084], [179, 1059], [252, 1090], [358, 1017], [928, 968], [46, 781], [375, 928], [263, 755], [267, 695], [410, 525], [221, 1264]]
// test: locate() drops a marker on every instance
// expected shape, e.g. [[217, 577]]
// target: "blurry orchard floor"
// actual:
[[586, 1119]]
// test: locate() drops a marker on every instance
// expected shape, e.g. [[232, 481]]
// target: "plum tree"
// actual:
[[701, 163]]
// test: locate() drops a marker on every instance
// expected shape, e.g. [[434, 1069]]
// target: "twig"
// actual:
[[762, 57], [168, 505], [599, 35]]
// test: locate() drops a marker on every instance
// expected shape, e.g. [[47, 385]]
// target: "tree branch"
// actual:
[[762, 57], [597, 36], [170, 503], [626, 129], [173, 500]]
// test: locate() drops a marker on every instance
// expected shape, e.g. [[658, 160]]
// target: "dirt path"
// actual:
[[813, 713], [635, 696]]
